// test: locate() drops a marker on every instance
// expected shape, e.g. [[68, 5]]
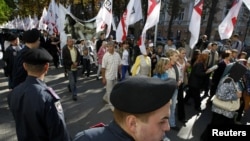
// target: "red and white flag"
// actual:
[[131, 15], [52, 16], [153, 15], [104, 17], [227, 25], [194, 25]]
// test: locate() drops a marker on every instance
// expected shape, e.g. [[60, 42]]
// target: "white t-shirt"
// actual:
[[125, 56]]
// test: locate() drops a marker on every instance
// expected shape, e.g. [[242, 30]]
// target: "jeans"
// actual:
[[86, 66], [124, 71], [172, 109], [72, 76]]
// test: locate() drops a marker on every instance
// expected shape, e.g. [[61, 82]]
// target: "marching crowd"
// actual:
[[126, 74]]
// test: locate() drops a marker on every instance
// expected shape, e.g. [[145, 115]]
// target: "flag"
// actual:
[[153, 15], [42, 22], [122, 29], [227, 25], [131, 15], [136, 14], [194, 25], [104, 17], [247, 3], [51, 18]]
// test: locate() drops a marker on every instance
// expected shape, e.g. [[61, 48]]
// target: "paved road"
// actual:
[[90, 109]]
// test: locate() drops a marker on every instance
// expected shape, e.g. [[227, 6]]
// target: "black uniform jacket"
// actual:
[[111, 132], [18, 72], [37, 112]]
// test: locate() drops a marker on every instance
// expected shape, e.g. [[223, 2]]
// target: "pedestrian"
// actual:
[[71, 58], [86, 62], [100, 55], [36, 108], [111, 65], [125, 60], [9, 57], [32, 40], [142, 65], [141, 111]]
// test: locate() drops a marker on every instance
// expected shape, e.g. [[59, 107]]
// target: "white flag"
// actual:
[[104, 17], [194, 25], [136, 14], [227, 25], [153, 15], [42, 21], [247, 3]]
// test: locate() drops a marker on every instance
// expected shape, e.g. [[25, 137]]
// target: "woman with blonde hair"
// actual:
[[160, 69]]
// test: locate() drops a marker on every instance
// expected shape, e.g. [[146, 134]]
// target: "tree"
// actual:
[[212, 7], [173, 9], [5, 11]]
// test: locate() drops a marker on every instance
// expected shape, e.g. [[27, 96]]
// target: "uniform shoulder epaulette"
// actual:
[[52, 92]]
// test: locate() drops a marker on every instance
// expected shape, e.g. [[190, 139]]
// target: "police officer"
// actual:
[[32, 40], [36, 108], [141, 111]]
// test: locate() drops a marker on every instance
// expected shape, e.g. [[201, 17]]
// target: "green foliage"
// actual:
[[5, 12]]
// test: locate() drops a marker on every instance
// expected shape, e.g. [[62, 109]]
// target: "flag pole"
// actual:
[[155, 37]]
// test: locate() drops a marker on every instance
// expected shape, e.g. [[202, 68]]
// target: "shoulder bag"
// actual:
[[231, 105]]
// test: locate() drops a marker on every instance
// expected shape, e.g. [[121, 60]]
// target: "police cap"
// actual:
[[37, 56], [139, 95]]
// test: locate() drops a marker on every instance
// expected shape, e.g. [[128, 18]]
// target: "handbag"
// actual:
[[229, 105]]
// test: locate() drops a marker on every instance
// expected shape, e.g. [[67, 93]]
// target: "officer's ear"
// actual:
[[46, 67], [131, 124], [25, 66]]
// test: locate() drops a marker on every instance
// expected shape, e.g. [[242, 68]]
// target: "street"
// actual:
[[90, 109]]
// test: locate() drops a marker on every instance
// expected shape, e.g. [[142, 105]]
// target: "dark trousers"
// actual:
[[55, 56], [180, 103], [86, 66], [195, 93]]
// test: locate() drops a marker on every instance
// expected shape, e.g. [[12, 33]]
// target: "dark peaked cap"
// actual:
[[138, 95], [37, 56]]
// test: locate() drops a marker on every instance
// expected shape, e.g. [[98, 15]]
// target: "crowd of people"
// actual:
[[177, 73]]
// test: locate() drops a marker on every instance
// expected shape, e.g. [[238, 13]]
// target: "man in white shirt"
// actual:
[[170, 45], [111, 64]]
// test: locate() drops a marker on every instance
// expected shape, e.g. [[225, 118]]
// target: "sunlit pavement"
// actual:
[[90, 109]]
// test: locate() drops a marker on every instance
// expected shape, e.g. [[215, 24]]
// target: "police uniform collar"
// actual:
[[118, 130]]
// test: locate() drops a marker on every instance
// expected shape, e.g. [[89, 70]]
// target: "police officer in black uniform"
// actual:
[[36, 108], [32, 40], [141, 111]]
